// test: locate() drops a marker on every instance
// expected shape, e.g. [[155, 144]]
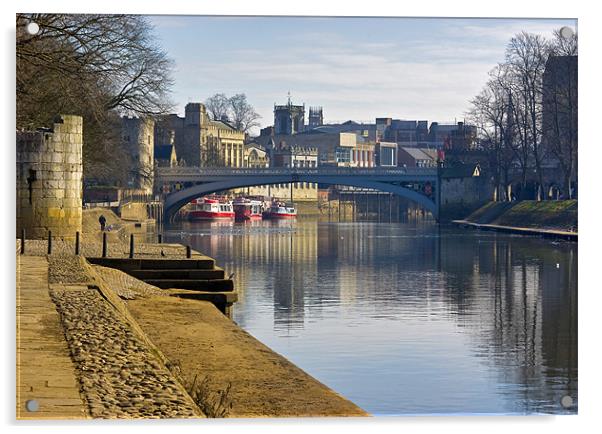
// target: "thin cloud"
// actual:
[[419, 72]]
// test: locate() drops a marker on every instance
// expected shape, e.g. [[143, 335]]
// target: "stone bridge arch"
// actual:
[[175, 201]]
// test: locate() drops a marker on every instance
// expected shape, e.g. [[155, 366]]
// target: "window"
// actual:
[[387, 156], [343, 155]]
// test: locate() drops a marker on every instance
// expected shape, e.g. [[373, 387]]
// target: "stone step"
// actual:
[[127, 264], [194, 274], [214, 297], [215, 285]]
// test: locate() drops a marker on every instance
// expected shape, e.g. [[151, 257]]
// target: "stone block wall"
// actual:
[[49, 179]]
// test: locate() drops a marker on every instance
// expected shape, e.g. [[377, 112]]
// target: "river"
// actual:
[[408, 318]]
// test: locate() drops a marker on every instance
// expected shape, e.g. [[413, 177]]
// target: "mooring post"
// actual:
[[104, 244], [49, 242], [22, 241], [160, 238], [131, 245], [188, 252], [77, 243]]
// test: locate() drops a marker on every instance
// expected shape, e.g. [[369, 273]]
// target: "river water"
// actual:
[[408, 318]]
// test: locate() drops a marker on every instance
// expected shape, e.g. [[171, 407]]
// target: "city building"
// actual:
[[256, 156], [334, 148], [165, 156], [417, 157], [559, 119], [385, 154], [201, 141], [284, 155], [363, 155], [456, 137]]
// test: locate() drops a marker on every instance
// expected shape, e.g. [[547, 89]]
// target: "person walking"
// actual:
[[103, 221]]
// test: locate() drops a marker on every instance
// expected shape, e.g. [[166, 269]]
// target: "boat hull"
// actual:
[[204, 215], [245, 214], [278, 216]]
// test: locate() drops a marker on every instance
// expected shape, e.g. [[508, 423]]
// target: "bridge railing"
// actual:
[[287, 171]]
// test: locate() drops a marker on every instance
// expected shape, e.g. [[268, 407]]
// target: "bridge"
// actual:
[[420, 185]]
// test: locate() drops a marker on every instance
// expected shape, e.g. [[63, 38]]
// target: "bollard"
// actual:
[[104, 244], [49, 242], [188, 252], [77, 243], [160, 238], [22, 241], [131, 245]]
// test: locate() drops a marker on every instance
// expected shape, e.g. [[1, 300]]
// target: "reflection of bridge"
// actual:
[[420, 185]]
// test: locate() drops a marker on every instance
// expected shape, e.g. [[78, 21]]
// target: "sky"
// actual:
[[355, 68]]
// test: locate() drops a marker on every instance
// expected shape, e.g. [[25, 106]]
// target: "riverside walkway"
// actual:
[[46, 375]]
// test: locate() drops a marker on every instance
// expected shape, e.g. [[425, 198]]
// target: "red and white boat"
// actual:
[[279, 210], [247, 209], [210, 209]]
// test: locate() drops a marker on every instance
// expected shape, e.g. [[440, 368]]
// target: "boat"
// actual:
[[247, 209], [279, 210], [210, 209]]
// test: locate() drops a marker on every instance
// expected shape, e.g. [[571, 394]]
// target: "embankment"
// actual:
[[547, 218], [133, 350]]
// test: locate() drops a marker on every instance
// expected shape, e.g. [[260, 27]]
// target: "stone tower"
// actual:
[[138, 135], [316, 117], [289, 119], [49, 179]]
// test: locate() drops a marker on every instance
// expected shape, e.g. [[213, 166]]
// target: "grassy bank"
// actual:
[[556, 215]]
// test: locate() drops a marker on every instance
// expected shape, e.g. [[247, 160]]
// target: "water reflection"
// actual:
[[408, 318]]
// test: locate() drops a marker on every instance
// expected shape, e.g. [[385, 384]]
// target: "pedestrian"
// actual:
[[103, 221]]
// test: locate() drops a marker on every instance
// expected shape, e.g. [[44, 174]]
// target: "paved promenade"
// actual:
[[548, 233], [45, 372]]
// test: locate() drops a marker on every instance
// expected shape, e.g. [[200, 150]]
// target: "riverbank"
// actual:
[[556, 219], [133, 350]]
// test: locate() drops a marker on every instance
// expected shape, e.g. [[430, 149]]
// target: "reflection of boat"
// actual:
[[210, 209], [279, 210], [247, 209]]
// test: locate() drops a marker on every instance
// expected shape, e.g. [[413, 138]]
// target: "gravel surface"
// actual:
[[67, 269], [119, 375]]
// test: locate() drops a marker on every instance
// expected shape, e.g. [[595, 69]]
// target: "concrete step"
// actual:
[[194, 274], [215, 285]]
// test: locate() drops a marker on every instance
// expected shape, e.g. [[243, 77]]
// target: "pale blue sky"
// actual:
[[356, 68]]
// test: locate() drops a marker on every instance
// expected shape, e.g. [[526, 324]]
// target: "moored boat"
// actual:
[[211, 209], [279, 210], [247, 209]]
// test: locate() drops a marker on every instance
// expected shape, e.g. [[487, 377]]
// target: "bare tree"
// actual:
[[243, 115], [563, 45], [526, 57], [218, 106], [95, 66], [491, 114], [527, 112]]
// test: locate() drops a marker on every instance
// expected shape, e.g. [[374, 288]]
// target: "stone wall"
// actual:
[[49, 179], [461, 196]]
